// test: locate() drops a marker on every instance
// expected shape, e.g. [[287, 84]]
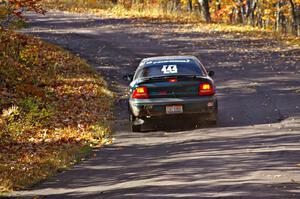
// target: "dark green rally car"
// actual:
[[171, 86]]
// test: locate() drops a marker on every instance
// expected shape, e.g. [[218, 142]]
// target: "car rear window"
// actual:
[[169, 67]]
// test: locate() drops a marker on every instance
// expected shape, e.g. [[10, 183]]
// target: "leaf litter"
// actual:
[[54, 108]]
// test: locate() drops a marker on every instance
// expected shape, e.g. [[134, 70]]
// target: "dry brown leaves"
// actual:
[[53, 106]]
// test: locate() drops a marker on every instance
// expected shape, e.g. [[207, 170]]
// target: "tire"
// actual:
[[136, 128], [212, 119]]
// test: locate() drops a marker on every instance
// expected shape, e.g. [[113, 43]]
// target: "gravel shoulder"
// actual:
[[253, 153]]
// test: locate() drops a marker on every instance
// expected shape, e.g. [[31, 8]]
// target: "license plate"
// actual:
[[175, 109]]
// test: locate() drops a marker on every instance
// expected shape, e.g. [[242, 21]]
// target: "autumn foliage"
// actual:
[[52, 105], [277, 15], [12, 11]]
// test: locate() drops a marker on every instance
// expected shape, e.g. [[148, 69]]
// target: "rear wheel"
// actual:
[[134, 127], [212, 119]]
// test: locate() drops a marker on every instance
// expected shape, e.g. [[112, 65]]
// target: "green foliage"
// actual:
[[29, 54], [30, 114], [34, 112]]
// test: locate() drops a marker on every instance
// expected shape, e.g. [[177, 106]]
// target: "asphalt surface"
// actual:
[[254, 152]]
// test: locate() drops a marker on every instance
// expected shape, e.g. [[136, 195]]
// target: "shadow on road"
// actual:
[[229, 166], [254, 76], [257, 81]]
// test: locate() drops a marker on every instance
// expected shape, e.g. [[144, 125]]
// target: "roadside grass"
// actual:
[[158, 14], [54, 110]]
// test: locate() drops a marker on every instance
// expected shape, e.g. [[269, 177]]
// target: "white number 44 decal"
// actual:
[[169, 69]]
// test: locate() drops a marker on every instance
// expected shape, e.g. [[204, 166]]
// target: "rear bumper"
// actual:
[[143, 108]]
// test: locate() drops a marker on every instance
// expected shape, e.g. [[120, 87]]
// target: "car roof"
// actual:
[[166, 58]]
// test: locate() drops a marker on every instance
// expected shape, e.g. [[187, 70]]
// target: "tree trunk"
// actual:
[[242, 11], [295, 18], [280, 18], [176, 5], [297, 8], [250, 11], [259, 14], [218, 5], [205, 10], [190, 6]]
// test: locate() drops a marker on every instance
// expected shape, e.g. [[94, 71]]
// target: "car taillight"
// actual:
[[173, 80], [206, 89], [140, 93]]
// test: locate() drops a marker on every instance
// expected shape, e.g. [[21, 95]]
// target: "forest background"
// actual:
[[275, 15]]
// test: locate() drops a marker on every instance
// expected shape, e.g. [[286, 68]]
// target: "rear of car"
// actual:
[[168, 86]]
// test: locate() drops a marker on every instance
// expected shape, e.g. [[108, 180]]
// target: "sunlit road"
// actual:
[[254, 151]]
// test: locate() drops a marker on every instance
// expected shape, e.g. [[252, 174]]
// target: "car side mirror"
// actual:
[[211, 73], [128, 77]]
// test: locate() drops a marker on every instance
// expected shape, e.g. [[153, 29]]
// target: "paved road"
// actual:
[[254, 151]]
